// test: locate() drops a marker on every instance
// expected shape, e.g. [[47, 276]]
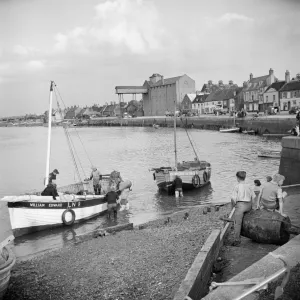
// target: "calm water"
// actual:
[[132, 151]]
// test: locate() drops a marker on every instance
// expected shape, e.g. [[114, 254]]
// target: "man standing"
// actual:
[[241, 199], [112, 198], [178, 186], [52, 176], [96, 176]]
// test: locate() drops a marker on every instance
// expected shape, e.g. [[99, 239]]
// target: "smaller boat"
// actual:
[[231, 129], [269, 154]]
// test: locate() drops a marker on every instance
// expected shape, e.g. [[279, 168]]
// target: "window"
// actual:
[[252, 97], [283, 94], [273, 97], [267, 98], [294, 102], [295, 94]]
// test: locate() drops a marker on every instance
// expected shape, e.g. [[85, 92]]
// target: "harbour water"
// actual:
[[132, 151]]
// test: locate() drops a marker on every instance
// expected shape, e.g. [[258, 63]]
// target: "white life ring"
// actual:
[[68, 217]]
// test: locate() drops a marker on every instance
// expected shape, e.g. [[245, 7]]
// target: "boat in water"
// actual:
[[194, 174], [231, 129], [76, 202], [248, 131], [269, 154]]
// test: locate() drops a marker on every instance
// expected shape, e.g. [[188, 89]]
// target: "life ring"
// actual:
[[68, 217], [196, 181], [205, 176]]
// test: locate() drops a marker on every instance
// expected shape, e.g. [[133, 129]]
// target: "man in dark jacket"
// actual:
[[52, 176], [50, 190], [178, 186], [112, 197]]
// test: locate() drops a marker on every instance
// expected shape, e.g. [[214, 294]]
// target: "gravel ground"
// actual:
[[149, 263], [291, 290]]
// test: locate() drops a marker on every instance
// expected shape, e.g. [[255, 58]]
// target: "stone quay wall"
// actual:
[[261, 125], [290, 160]]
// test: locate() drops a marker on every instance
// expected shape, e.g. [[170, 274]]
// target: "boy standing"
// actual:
[[241, 199]]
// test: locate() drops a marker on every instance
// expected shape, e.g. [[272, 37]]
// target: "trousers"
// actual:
[[240, 208]]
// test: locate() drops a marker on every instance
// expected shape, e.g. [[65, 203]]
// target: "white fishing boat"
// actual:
[[231, 129], [248, 131], [75, 203], [194, 174]]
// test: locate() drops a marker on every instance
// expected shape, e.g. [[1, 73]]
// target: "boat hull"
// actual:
[[191, 179], [230, 130], [40, 214]]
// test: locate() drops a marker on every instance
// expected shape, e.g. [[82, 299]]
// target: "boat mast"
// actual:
[[175, 146], [49, 134]]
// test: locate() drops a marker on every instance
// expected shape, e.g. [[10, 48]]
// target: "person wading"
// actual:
[[112, 197], [241, 198], [178, 186], [97, 177]]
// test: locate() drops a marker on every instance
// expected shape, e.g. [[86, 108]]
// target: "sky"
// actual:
[[90, 46]]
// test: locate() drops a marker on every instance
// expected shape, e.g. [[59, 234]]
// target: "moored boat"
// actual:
[[194, 174], [231, 129], [74, 203], [269, 154]]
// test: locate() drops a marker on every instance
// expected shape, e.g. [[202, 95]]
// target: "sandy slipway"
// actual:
[[147, 263]]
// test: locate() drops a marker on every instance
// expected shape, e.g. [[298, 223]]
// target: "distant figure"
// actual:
[[298, 117], [178, 186], [50, 190], [241, 198], [97, 177], [269, 178], [52, 176], [271, 196], [112, 198]]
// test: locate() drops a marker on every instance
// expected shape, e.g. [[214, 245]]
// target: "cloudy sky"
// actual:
[[89, 46]]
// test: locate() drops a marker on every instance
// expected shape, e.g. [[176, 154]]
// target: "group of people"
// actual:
[[268, 196]]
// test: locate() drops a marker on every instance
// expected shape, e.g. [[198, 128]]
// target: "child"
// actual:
[[242, 196], [271, 196], [256, 190]]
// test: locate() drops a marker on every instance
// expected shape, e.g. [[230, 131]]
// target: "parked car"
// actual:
[[220, 111], [293, 110], [127, 115], [169, 114]]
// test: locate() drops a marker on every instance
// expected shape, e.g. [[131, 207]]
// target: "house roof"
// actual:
[[200, 98], [209, 88], [223, 94], [291, 86], [276, 85], [256, 83], [191, 96]]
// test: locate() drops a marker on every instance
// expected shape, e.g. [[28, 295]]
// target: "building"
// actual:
[[164, 93], [253, 91], [224, 98], [271, 95], [186, 104], [289, 94], [210, 87], [198, 105]]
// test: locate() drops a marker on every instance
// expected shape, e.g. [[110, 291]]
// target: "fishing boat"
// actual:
[[194, 174], [248, 131], [231, 129], [75, 203]]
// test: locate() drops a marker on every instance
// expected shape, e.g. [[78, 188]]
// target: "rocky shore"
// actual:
[[148, 262]]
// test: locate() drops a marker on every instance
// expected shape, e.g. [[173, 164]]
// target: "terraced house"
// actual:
[[254, 89], [290, 93]]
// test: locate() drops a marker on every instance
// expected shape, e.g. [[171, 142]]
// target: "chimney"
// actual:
[[209, 82], [230, 82], [251, 76], [271, 71], [287, 76], [220, 82], [162, 80], [298, 76], [245, 84]]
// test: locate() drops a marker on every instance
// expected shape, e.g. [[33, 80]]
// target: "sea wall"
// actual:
[[261, 124], [290, 160]]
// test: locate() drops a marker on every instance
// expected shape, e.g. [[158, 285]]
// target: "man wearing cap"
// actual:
[[96, 176], [52, 176]]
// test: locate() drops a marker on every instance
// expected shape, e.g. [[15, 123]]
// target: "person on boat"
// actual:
[[269, 178], [256, 190], [178, 186], [97, 177], [241, 198], [50, 190], [52, 176], [271, 196], [112, 198]]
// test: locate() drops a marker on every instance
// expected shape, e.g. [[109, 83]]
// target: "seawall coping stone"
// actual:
[[292, 142]]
